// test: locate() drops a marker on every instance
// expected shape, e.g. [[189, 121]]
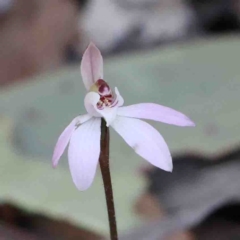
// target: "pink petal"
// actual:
[[156, 112], [83, 153], [145, 140], [91, 66], [65, 136]]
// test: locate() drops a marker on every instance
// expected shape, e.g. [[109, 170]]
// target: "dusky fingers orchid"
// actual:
[[83, 133]]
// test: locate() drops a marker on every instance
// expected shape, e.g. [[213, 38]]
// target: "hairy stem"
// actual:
[[104, 165]]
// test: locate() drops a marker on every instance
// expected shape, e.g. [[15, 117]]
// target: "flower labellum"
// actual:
[[83, 133]]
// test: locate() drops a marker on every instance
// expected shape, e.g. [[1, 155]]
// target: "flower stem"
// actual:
[[104, 165]]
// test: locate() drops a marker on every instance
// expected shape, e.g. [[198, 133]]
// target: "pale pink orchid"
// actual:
[[83, 133]]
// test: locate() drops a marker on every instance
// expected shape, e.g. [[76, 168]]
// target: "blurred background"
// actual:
[[184, 54]]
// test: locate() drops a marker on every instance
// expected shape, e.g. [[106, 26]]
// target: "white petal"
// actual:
[[83, 153], [108, 113], [145, 140], [119, 98], [90, 102], [65, 136], [91, 66]]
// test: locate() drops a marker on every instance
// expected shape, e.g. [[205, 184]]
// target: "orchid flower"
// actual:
[[83, 133]]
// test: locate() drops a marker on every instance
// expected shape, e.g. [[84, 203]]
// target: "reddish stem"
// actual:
[[104, 165]]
